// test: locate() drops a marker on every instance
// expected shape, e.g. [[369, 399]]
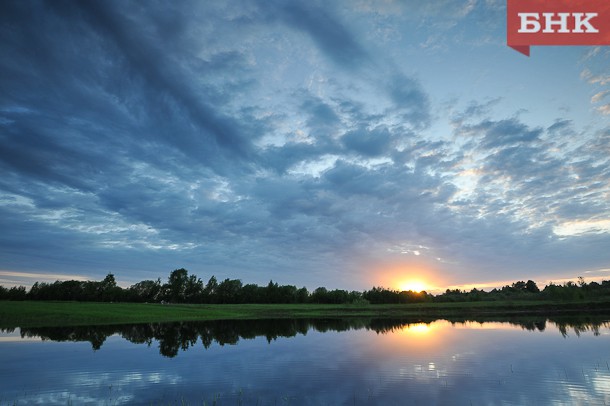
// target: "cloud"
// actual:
[[605, 109], [597, 97], [561, 128], [147, 81], [266, 140], [410, 100], [374, 142], [476, 109], [328, 33], [16, 278], [322, 120], [593, 79], [573, 228], [413, 8], [502, 133]]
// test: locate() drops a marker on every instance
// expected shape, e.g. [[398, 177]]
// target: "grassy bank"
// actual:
[[39, 314]]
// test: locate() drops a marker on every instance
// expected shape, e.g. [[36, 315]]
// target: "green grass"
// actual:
[[48, 314]]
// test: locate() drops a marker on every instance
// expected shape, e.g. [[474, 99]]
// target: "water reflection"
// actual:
[[557, 360], [173, 337]]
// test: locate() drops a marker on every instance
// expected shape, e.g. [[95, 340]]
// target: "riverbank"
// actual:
[[48, 314]]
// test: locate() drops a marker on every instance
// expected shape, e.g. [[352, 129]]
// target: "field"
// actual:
[[39, 314]]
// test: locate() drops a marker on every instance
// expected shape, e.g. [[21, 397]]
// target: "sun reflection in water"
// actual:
[[417, 329], [429, 338], [417, 338]]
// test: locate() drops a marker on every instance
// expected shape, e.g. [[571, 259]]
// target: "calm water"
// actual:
[[310, 362]]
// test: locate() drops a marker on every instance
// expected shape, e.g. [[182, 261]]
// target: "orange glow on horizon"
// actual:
[[414, 285], [415, 277]]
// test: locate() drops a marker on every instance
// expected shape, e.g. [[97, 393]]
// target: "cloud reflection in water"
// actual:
[[367, 361]]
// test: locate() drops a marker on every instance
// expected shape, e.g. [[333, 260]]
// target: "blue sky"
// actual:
[[338, 144]]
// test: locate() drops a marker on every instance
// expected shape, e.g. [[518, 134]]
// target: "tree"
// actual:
[[338, 296], [33, 294], [252, 293], [302, 295], [194, 290], [228, 291], [17, 293], [41, 291], [209, 292], [108, 289], [176, 285], [410, 296], [319, 295], [146, 291], [287, 294], [91, 291], [379, 295], [531, 287], [68, 290], [519, 286], [272, 292]]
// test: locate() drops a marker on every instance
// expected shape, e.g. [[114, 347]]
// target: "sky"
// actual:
[[344, 144]]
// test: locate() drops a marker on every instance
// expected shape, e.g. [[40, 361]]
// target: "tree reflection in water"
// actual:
[[173, 337]]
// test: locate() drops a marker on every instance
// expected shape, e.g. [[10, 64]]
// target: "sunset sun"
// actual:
[[413, 285]]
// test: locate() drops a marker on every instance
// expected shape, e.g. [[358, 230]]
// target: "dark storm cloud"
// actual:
[[47, 98], [49, 160], [102, 96], [329, 34], [103, 130], [150, 59], [104, 65]]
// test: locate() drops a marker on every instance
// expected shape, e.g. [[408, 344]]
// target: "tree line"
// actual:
[[182, 287]]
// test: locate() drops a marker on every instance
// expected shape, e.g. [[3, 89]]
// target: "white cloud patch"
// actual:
[[576, 228]]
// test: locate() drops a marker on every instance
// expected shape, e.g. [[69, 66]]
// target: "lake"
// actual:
[[538, 361]]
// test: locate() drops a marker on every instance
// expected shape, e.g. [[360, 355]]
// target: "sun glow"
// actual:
[[413, 285], [414, 277]]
